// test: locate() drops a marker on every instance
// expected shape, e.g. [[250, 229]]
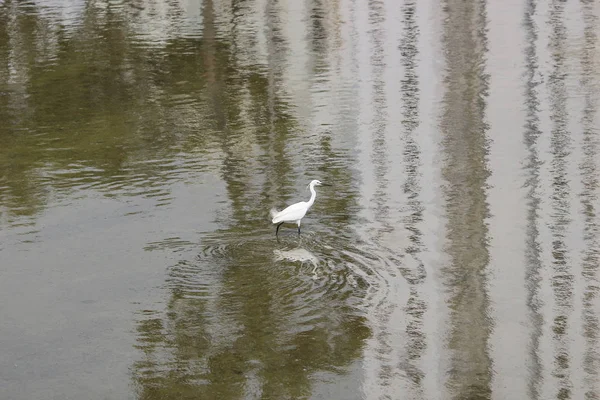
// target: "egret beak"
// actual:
[[325, 184]]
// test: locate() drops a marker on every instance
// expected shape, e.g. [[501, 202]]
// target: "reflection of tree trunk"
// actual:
[[209, 56], [275, 133], [560, 141], [18, 42], [591, 323], [224, 102], [19, 34], [380, 120], [534, 263], [416, 306], [466, 172]]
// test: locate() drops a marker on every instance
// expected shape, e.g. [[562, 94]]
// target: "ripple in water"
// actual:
[[309, 276], [299, 303]]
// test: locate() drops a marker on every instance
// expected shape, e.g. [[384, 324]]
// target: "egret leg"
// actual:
[[277, 230], [298, 228]]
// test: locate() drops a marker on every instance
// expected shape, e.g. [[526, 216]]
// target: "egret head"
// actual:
[[316, 182]]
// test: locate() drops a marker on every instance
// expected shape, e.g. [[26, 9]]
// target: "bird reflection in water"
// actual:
[[298, 254]]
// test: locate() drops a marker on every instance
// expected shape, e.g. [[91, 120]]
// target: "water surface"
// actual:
[[456, 255]]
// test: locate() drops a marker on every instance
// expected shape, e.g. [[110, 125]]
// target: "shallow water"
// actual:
[[455, 256]]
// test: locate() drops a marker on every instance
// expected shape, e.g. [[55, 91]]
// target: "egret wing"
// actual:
[[291, 213]]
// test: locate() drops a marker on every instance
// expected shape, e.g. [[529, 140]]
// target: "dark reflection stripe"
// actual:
[[532, 166], [560, 142], [416, 306], [589, 200], [465, 169], [379, 124]]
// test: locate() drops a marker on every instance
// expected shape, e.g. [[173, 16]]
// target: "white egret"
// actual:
[[295, 212]]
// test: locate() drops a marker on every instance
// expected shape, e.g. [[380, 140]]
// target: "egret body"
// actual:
[[295, 212]]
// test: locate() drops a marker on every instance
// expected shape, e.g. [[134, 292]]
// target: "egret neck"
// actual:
[[313, 194]]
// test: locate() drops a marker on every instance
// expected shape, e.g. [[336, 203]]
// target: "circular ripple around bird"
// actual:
[[241, 270]]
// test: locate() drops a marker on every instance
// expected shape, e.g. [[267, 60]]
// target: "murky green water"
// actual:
[[456, 256]]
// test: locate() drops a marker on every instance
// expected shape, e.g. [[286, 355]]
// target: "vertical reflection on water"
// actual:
[[589, 200], [380, 117], [415, 274], [254, 94], [560, 142], [17, 41], [5, 116], [383, 366], [466, 172], [532, 165], [175, 347], [330, 119], [276, 47], [233, 164], [238, 325], [276, 131], [18, 192], [213, 81]]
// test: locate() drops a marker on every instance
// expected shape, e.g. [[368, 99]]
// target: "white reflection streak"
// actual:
[[506, 199], [575, 239], [359, 69], [543, 385], [66, 13], [294, 76], [589, 198], [326, 83], [377, 34]]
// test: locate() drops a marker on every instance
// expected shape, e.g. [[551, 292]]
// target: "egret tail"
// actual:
[[273, 212]]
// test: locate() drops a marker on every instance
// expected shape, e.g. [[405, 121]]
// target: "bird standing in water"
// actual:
[[295, 212]]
